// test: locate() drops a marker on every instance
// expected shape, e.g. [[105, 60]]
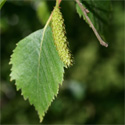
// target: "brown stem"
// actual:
[[58, 2], [90, 23]]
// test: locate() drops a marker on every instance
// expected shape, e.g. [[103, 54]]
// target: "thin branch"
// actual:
[[60, 1], [85, 11]]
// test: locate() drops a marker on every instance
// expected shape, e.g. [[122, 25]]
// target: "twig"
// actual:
[[58, 2], [90, 23]]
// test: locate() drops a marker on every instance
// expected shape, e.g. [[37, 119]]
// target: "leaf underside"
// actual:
[[37, 69]]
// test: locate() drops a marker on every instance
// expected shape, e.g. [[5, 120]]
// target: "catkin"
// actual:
[[59, 34]]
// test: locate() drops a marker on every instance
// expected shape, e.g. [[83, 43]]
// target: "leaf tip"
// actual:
[[41, 119]]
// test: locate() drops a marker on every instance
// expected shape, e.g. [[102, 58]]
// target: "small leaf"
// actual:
[[2, 3], [37, 69], [99, 13]]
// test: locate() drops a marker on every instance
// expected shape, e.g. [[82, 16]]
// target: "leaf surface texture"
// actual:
[[37, 69]]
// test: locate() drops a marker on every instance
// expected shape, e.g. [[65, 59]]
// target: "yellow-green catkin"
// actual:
[[59, 34]]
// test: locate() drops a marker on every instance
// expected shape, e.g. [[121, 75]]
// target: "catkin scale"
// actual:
[[59, 34]]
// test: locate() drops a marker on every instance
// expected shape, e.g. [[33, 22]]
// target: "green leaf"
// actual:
[[99, 13], [2, 3], [37, 69]]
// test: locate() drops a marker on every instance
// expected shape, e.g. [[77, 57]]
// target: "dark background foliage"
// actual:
[[93, 89]]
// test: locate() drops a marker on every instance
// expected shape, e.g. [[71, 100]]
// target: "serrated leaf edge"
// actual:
[[26, 98]]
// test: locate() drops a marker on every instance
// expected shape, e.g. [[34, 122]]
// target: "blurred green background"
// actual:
[[93, 89]]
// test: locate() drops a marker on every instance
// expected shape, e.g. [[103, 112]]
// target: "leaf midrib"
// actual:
[[39, 58]]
